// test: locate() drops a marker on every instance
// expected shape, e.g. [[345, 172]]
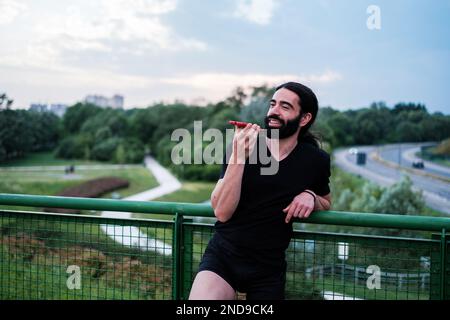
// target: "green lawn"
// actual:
[[52, 182], [360, 291], [45, 159], [36, 282], [29, 273]]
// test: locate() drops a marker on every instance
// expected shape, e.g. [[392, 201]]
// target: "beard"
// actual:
[[286, 129]]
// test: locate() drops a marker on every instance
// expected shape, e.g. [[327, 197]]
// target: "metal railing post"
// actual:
[[443, 264], [177, 254], [186, 259], [438, 270]]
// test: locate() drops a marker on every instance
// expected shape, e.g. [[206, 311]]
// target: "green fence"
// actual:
[[46, 255]]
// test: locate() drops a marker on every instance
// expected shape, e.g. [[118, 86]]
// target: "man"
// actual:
[[254, 211]]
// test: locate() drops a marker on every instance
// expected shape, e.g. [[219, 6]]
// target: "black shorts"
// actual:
[[242, 273]]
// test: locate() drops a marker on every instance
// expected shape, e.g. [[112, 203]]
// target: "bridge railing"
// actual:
[[47, 255]]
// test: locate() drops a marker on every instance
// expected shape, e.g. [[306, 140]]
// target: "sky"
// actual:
[[350, 52]]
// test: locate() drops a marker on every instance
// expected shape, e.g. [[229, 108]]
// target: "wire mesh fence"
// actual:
[[326, 266], [54, 256], [352, 267], [60, 256]]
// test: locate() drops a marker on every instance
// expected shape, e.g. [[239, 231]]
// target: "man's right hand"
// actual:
[[244, 142]]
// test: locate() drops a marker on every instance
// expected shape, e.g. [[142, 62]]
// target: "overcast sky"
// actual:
[[161, 50]]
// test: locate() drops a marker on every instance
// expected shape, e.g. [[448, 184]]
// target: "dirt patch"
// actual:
[[90, 189]]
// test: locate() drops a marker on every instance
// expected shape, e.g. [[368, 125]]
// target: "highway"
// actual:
[[404, 155], [382, 167]]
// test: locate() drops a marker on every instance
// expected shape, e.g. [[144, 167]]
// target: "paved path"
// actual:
[[132, 236], [330, 295]]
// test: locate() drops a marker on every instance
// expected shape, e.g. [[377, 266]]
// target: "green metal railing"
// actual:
[[47, 255]]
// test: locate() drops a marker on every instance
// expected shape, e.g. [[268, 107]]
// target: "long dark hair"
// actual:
[[308, 103]]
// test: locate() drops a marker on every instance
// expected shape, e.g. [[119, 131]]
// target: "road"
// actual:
[[404, 155], [382, 168]]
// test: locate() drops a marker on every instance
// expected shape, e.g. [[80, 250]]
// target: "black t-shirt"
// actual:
[[258, 225]]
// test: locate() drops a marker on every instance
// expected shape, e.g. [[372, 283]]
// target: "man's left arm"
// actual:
[[308, 201], [305, 203], [322, 202]]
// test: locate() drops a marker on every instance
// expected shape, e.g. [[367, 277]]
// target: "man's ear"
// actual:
[[305, 119]]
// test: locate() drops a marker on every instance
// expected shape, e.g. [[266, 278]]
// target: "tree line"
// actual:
[[125, 136]]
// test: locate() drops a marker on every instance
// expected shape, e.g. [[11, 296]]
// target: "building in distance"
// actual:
[[115, 102], [57, 108]]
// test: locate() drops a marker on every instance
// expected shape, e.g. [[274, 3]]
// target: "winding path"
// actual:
[[132, 236]]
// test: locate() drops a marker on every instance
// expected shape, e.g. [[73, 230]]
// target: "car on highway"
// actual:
[[418, 164]]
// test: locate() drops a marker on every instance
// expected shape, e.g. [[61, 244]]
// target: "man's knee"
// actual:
[[210, 286]]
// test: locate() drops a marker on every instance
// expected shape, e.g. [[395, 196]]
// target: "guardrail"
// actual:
[[62, 256]]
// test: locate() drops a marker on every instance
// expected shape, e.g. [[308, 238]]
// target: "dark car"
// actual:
[[418, 164]]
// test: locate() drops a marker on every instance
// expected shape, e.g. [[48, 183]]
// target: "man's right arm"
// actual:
[[226, 195]]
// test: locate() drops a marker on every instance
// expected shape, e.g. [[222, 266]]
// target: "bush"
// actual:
[[105, 150], [401, 199], [211, 172], [396, 199], [70, 148], [133, 150]]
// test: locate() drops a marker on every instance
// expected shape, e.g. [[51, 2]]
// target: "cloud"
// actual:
[[10, 10], [131, 26], [256, 11], [208, 80], [216, 86], [143, 90], [135, 22]]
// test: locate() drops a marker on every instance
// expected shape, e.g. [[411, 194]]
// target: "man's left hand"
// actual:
[[300, 207]]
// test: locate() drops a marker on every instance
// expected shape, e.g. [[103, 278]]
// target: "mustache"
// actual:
[[275, 118]]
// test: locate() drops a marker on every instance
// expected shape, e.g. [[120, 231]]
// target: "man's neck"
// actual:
[[285, 146]]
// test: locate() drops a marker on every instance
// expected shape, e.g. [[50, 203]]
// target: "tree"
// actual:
[[16, 135], [342, 127], [407, 132], [76, 115], [105, 150], [237, 98], [5, 102], [255, 111], [410, 106], [120, 156]]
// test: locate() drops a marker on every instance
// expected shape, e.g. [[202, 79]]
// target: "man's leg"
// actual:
[[270, 287], [210, 286]]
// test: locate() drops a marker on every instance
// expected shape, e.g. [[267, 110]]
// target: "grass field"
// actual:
[[350, 289], [51, 182], [35, 255], [45, 159]]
